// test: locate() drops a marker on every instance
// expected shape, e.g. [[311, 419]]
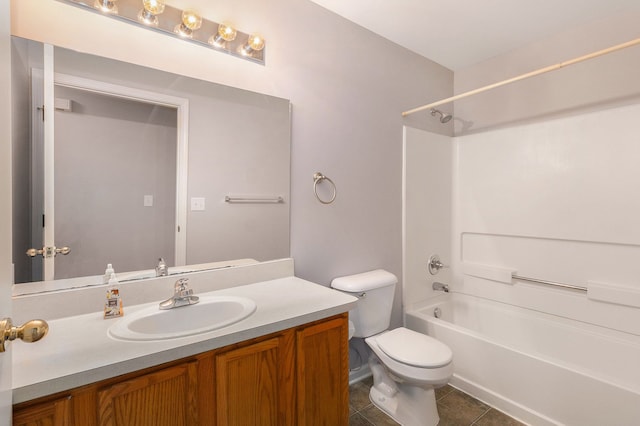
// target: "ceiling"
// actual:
[[460, 33]]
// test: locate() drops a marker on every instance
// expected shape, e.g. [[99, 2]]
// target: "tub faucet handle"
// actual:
[[435, 264]]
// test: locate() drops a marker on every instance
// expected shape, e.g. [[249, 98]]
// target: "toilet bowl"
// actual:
[[406, 365], [409, 356]]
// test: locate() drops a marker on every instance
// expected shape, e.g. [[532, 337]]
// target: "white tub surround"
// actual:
[[78, 350], [540, 368]]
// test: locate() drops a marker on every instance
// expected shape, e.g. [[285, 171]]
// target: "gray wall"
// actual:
[[348, 88]]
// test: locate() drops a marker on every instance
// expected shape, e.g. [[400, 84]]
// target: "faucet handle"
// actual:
[[181, 287], [181, 284], [161, 269]]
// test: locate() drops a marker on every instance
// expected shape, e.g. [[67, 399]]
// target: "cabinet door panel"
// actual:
[[254, 384], [323, 374], [163, 398], [54, 413]]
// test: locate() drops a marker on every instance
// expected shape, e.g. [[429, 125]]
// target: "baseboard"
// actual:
[[501, 403], [360, 374]]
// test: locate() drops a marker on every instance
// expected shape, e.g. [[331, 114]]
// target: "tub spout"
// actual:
[[440, 287]]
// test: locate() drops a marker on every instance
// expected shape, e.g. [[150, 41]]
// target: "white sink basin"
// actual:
[[211, 313]]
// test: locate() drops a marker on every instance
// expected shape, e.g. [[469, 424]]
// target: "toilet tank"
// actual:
[[375, 291]]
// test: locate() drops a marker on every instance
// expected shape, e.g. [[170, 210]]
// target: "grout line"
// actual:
[[363, 418], [477, 419]]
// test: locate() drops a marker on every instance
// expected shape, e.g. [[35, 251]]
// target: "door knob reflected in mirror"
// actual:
[[29, 332], [48, 251]]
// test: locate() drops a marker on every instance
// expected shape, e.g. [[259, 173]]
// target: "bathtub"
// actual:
[[539, 368]]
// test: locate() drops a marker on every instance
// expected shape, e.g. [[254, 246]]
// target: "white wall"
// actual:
[[428, 172], [555, 201], [348, 88], [547, 185]]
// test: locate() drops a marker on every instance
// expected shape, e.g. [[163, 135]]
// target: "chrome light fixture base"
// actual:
[[129, 11]]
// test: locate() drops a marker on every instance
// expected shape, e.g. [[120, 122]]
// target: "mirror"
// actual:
[[125, 186]]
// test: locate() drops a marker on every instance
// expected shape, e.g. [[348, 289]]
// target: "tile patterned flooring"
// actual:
[[456, 408]]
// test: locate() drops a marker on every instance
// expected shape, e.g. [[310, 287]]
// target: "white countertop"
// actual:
[[78, 351]]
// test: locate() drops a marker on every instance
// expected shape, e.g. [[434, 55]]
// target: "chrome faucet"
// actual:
[[440, 287], [182, 295], [162, 270]]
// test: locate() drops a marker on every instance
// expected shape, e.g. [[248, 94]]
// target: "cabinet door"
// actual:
[[254, 383], [163, 398], [54, 413], [322, 352]]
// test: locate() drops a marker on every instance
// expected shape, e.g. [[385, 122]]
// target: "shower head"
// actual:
[[444, 118]]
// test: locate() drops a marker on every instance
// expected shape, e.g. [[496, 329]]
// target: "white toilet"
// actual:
[[407, 366]]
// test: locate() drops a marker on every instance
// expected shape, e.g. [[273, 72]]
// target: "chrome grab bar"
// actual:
[[550, 283]]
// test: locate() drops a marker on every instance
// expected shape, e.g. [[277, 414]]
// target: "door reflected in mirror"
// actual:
[[115, 182], [117, 188]]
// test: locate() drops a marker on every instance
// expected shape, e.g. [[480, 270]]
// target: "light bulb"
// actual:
[[255, 43], [225, 33], [151, 8], [191, 21], [106, 6]]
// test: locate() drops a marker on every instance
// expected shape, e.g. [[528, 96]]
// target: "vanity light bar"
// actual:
[[208, 34]]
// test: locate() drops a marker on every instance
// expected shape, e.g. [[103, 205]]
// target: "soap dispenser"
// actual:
[[107, 274], [113, 303]]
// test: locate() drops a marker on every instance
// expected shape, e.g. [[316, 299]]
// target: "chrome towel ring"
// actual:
[[317, 178]]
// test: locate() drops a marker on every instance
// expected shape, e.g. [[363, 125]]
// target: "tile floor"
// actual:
[[456, 408]]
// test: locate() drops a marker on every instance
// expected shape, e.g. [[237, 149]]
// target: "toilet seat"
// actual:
[[415, 349], [438, 374]]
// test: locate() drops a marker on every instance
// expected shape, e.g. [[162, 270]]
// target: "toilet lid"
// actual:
[[413, 348]]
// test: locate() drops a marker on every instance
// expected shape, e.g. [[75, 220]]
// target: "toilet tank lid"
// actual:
[[364, 281]]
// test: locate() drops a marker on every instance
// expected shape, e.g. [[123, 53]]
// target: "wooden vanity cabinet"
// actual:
[[297, 376]]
